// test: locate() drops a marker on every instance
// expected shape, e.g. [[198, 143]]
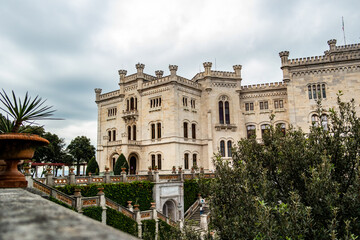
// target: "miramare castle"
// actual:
[[170, 120]]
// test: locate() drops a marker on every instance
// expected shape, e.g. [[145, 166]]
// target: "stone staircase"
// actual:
[[194, 219]]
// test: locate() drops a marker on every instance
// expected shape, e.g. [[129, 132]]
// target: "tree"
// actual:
[[81, 150], [121, 163], [92, 167], [297, 186]]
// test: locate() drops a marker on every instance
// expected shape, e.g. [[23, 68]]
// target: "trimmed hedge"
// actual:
[[148, 229], [118, 192], [61, 203], [168, 232], [192, 188], [120, 221], [93, 212]]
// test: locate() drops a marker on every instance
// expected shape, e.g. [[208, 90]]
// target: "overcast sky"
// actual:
[[62, 50]]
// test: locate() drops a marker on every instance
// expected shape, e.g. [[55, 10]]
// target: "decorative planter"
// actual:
[[13, 148], [123, 170]]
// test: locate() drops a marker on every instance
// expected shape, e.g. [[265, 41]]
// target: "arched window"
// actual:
[[193, 131], [314, 120], [324, 121], [159, 130], [109, 136], [135, 103], [129, 133], [186, 160], [194, 160], [153, 131], [134, 132], [185, 130], [229, 147], [227, 113], [264, 129], [132, 103], [222, 148], [323, 91], [319, 90], [221, 112], [250, 129], [281, 127], [153, 163], [114, 135], [127, 105], [159, 161]]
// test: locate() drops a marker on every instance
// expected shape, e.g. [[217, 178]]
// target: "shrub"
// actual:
[[121, 163], [93, 212], [92, 167], [120, 221]]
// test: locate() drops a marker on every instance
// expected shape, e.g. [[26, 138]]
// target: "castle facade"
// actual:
[[165, 121]]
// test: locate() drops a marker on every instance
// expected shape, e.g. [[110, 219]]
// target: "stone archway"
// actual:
[[169, 209], [132, 164]]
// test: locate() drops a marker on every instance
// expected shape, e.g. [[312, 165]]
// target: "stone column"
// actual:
[[122, 74], [154, 215], [130, 207], [71, 177], [138, 219], [173, 69], [284, 55], [123, 174], [107, 175], [102, 204], [78, 200], [49, 178], [28, 177], [203, 222], [156, 175]]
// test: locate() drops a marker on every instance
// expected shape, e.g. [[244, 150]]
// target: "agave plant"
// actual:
[[26, 111]]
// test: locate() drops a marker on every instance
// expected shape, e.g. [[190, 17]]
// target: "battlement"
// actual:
[[264, 86], [109, 95], [134, 76], [168, 79], [335, 53], [221, 74]]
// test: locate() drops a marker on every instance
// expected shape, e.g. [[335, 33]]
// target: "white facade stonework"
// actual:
[[147, 117]]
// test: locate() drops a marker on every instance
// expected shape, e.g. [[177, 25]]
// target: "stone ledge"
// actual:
[[25, 215]]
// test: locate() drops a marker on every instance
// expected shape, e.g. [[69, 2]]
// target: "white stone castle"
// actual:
[[165, 121]]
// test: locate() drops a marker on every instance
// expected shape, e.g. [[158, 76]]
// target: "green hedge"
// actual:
[[168, 232], [118, 192], [61, 203], [93, 212], [148, 229], [120, 221], [192, 188]]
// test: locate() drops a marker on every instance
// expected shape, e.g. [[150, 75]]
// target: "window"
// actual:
[[129, 132], [281, 127], [229, 146], [153, 163], [153, 131], [112, 112], [324, 121], [127, 105], [281, 103], [155, 102], [314, 91], [221, 112], [222, 148], [317, 91], [314, 120], [193, 130], [250, 129], [114, 135], [224, 105], [134, 132], [109, 136], [192, 103], [185, 101], [264, 129], [159, 161], [309, 92], [186, 160], [264, 105], [194, 160], [185, 130], [159, 130], [249, 106], [323, 91], [132, 105]]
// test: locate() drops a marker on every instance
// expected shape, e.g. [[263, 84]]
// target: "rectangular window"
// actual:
[[109, 136], [185, 101], [264, 105], [155, 102], [276, 104], [281, 104], [261, 105], [247, 107], [159, 130], [251, 106], [114, 135], [152, 131], [194, 160]]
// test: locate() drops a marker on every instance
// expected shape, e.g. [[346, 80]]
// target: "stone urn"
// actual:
[[15, 147]]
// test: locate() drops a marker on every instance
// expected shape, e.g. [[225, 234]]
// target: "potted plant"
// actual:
[[173, 169], [14, 144]]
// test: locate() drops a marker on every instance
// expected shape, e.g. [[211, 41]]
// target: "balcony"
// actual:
[[130, 115], [113, 143], [220, 127]]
